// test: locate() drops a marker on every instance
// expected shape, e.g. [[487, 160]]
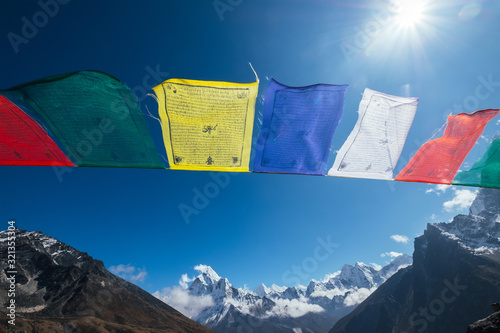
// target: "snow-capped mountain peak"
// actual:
[[208, 275], [363, 265], [486, 202], [360, 275], [395, 265], [352, 278], [479, 231], [262, 290], [60, 253]]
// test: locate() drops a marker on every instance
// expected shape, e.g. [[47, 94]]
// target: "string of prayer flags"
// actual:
[[207, 125], [485, 172], [438, 160], [24, 142], [95, 117], [90, 118], [298, 128], [373, 147]]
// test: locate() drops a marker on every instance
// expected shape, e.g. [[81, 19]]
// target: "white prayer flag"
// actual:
[[373, 148]]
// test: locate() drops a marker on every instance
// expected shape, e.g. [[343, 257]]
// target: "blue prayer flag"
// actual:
[[298, 128]]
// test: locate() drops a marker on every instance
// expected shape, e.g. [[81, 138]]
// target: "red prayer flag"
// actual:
[[438, 160], [24, 142]]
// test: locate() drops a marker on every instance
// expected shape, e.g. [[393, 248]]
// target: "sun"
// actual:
[[408, 13]]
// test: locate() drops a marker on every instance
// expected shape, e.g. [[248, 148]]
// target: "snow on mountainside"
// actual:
[[326, 300], [460, 258], [353, 284], [479, 231], [60, 289], [262, 290], [60, 253]]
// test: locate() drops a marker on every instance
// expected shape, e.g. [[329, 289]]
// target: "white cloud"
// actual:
[[202, 268], [358, 296], [122, 269], [292, 308], [433, 217], [129, 272], [184, 280], [139, 277], [400, 239], [180, 300], [376, 266], [439, 189], [391, 254], [283, 307], [462, 200]]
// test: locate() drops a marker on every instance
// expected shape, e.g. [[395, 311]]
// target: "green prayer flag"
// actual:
[[485, 172], [94, 116]]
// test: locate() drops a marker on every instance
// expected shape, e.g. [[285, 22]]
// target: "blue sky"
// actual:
[[260, 225]]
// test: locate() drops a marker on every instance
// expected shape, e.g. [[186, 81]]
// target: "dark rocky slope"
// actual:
[[60, 289], [454, 276]]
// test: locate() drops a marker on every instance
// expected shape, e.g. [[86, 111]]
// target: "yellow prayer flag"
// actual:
[[207, 125]]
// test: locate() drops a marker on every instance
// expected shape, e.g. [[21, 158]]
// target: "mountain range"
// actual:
[[447, 285], [286, 309]]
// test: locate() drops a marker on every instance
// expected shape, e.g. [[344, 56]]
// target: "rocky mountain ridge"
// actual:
[[453, 279], [60, 289]]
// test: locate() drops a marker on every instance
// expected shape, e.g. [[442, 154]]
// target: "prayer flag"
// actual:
[[438, 160], [373, 148], [24, 142], [485, 172], [207, 125], [95, 117], [298, 128]]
